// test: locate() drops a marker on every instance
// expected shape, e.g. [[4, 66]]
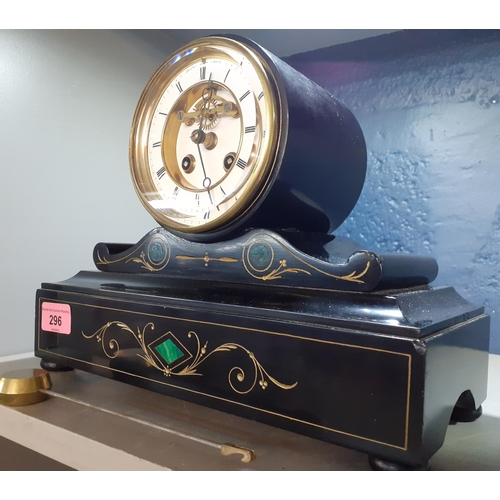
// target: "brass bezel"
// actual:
[[264, 160]]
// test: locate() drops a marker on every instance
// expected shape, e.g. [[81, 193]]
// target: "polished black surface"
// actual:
[[408, 312], [324, 164], [285, 259], [379, 372]]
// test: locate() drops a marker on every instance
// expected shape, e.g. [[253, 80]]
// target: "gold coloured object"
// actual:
[[22, 387], [213, 97], [228, 449]]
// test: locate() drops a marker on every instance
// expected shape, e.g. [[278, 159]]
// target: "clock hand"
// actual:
[[206, 181], [198, 136]]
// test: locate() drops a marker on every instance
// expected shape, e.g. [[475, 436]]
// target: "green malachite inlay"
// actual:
[[169, 351], [156, 252], [260, 256]]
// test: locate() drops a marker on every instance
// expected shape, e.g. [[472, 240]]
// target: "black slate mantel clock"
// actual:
[[243, 299]]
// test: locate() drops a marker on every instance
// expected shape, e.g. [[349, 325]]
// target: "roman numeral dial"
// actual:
[[204, 135]]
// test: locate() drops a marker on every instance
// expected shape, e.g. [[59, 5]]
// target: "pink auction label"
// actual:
[[56, 318]]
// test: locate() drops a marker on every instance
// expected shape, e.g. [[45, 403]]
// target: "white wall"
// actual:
[[67, 100]]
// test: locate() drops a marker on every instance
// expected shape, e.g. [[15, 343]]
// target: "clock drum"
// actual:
[[227, 137]]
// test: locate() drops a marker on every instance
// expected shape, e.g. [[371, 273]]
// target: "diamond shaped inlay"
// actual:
[[169, 351]]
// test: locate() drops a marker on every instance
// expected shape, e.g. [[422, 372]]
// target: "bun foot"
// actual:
[[50, 366], [465, 414], [377, 463]]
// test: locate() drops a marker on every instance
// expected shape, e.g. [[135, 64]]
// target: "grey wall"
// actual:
[[67, 100], [429, 105]]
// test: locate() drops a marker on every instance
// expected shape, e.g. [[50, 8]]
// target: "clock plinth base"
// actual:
[[380, 372]]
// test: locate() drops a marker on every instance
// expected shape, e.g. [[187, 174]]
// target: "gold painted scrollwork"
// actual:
[[206, 258], [236, 375], [259, 257], [153, 257]]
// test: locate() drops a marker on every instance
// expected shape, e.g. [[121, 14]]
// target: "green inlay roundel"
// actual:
[[157, 252], [260, 255], [169, 351]]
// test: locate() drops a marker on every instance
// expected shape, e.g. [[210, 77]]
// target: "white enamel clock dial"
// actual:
[[204, 135]]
